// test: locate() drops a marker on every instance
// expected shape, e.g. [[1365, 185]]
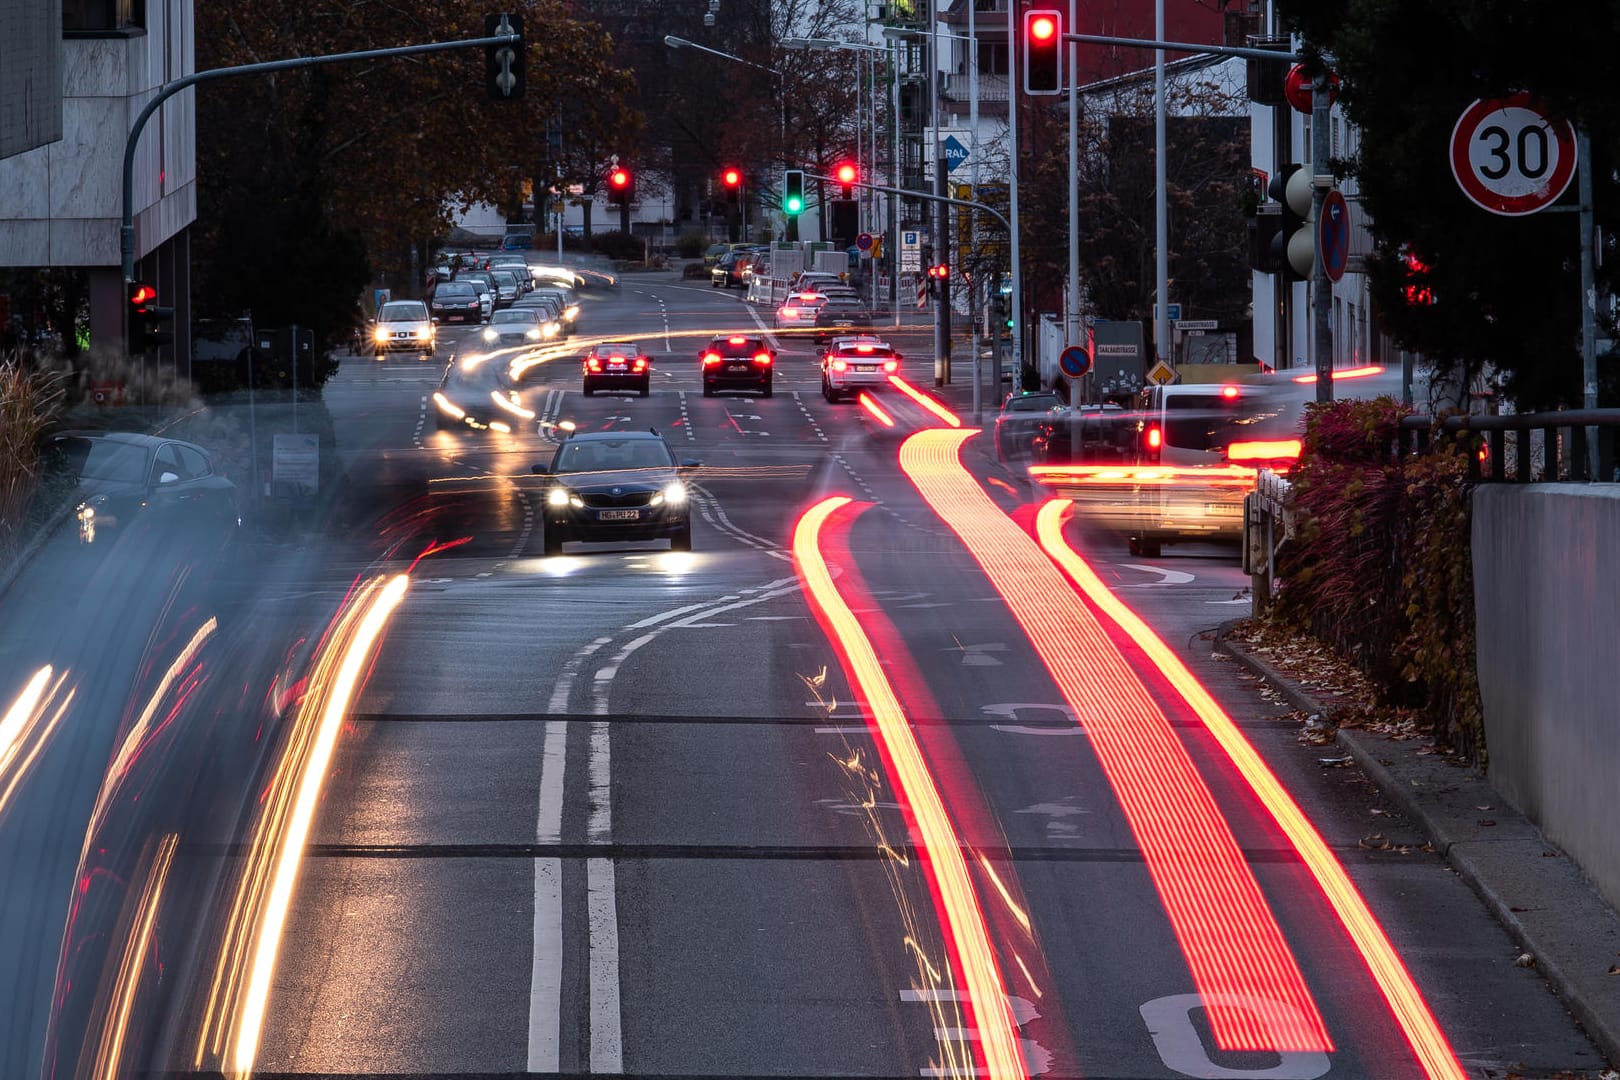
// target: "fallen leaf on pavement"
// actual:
[[1525, 960], [1376, 842]]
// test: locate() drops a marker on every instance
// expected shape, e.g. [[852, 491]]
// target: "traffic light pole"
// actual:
[[126, 232]]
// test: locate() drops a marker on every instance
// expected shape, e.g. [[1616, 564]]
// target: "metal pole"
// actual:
[[1321, 288], [892, 248], [1073, 322], [1161, 205], [1015, 299], [1583, 150], [295, 376], [942, 309], [974, 286]]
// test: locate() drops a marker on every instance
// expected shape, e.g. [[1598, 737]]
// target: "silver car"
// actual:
[[403, 326]]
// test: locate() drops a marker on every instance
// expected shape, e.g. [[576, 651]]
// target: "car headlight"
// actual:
[[572, 313], [425, 332], [550, 330], [448, 407], [674, 493], [380, 334], [557, 496], [533, 333], [491, 334]]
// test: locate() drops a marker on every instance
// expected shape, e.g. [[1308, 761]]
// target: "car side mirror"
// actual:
[[691, 463], [540, 470], [169, 478]]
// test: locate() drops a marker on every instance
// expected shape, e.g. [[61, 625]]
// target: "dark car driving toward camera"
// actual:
[[616, 485]]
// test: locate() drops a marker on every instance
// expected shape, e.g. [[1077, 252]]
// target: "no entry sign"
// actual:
[[1510, 157]]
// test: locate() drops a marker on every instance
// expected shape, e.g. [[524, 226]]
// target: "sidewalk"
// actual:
[[1565, 929]]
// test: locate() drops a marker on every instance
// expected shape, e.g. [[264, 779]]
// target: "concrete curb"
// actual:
[[42, 535], [1536, 892]]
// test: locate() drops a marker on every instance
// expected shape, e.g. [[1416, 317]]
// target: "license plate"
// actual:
[[865, 367], [615, 367], [1224, 510], [736, 367], [619, 515]]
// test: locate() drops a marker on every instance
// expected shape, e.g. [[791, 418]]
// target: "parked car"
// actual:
[[123, 475]]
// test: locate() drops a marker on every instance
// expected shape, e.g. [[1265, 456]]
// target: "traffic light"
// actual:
[[1417, 291], [846, 174], [1043, 51], [1291, 251], [731, 178], [503, 63], [621, 185], [147, 319], [793, 192]]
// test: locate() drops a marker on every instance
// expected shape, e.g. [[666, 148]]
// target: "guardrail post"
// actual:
[[1579, 463], [1524, 442], [1550, 470], [1498, 455], [1605, 455]]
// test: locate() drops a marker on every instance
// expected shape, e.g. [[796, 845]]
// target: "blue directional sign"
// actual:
[[1075, 361], [955, 152]]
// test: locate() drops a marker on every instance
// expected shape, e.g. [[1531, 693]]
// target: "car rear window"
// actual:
[[746, 347], [1200, 421]]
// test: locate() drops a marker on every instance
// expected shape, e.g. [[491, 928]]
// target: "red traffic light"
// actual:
[[731, 177], [940, 271], [846, 174], [1042, 54], [1042, 27], [141, 294], [619, 178]]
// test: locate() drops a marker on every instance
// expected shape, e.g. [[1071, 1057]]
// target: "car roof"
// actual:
[[607, 436], [128, 438], [615, 345]]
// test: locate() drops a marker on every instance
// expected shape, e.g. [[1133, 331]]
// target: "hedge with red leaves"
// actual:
[[1380, 565]]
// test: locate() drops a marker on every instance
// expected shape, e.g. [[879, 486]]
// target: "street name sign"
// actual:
[[1510, 157], [1197, 324]]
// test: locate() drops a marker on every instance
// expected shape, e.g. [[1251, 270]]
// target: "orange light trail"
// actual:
[[1405, 1000], [383, 599], [946, 864], [110, 1047], [1345, 373], [26, 728], [926, 401], [876, 410], [1233, 946], [1262, 450], [1224, 475]]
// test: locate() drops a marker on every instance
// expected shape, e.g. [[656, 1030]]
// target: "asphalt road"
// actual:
[[630, 811]]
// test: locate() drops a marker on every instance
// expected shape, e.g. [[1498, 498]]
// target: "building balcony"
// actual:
[[960, 88]]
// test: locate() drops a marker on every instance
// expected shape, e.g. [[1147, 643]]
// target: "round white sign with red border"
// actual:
[[1510, 157]]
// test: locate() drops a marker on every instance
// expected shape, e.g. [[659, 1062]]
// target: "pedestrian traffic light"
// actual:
[[1292, 248], [621, 185], [793, 192], [503, 61], [846, 174], [731, 178], [147, 319], [1043, 51]]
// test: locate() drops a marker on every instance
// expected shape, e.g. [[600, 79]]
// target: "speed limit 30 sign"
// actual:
[[1510, 157]]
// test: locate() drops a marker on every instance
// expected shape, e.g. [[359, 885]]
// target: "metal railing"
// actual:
[[1572, 445]]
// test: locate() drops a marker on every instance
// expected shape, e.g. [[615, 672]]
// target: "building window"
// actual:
[[97, 17], [992, 58]]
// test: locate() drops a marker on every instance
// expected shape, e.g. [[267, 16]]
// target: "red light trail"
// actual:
[[1233, 945]]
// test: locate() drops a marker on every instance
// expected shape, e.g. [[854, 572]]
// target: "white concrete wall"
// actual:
[[60, 204], [1546, 590]]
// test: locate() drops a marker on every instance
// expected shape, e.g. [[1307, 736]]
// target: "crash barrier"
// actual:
[[1545, 597], [1268, 523]]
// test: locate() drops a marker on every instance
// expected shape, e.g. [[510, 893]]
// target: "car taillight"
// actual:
[[710, 359], [594, 363], [736, 340], [1154, 438], [891, 366], [616, 359], [641, 363], [762, 358], [863, 348], [840, 365], [790, 313]]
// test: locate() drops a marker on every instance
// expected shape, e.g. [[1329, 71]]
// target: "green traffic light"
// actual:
[[795, 206]]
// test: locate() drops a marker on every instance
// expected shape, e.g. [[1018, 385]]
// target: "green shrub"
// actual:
[[619, 245], [691, 245], [1380, 564]]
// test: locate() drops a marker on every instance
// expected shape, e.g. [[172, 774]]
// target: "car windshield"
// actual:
[[459, 290], [604, 455], [1033, 403], [103, 459], [512, 315], [403, 311]]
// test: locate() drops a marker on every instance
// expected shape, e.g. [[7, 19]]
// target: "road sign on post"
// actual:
[[1075, 361], [1333, 234], [1510, 157]]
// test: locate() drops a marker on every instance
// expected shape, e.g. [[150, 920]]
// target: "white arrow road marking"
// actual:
[[1171, 577], [1036, 1057]]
